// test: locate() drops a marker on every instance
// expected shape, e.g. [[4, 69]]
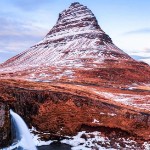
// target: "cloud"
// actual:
[[16, 35], [28, 5], [147, 50], [147, 60], [138, 31], [18, 27], [22, 25], [145, 53], [4, 55]]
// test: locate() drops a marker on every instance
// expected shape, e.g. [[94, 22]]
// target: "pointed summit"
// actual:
[[76, 16], [75, 3]]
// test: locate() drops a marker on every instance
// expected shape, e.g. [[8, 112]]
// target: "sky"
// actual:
[[23, 23]]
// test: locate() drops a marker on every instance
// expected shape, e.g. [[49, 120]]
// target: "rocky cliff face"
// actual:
[[59, 110], [5, 128]]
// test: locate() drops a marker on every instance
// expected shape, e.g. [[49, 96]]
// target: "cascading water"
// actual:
[[22, 134]]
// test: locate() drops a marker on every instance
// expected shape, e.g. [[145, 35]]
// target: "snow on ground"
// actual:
[[95, 121], [128, 99], [90, 140], [79, 143], [146, 146], [93, 140], [36, 138]]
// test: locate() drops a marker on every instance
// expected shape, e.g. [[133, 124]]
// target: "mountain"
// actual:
[[76, 37], [74, 45], [77, 82]]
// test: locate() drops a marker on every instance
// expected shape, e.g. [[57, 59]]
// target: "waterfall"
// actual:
[[22, 134]]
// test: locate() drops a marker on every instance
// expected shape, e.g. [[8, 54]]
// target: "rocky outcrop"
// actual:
[[5, 128]]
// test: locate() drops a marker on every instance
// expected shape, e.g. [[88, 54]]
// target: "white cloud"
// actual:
[[147, 60], [133, 43], [138, 31]]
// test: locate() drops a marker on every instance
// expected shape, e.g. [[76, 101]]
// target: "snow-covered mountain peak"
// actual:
[[77, 12], [77, 19], [76, 40]]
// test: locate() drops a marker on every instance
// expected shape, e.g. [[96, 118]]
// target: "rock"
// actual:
[[5, 128]]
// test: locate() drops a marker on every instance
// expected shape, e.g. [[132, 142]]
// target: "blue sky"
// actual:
[[25, 22]]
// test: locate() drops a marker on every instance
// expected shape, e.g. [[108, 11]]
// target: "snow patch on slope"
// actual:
[[128, 99]]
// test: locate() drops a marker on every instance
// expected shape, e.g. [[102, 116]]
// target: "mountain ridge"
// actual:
[[76, 35]]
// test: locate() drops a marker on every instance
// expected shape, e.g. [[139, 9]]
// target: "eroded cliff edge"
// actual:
[[61, 109], [5, 125]]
